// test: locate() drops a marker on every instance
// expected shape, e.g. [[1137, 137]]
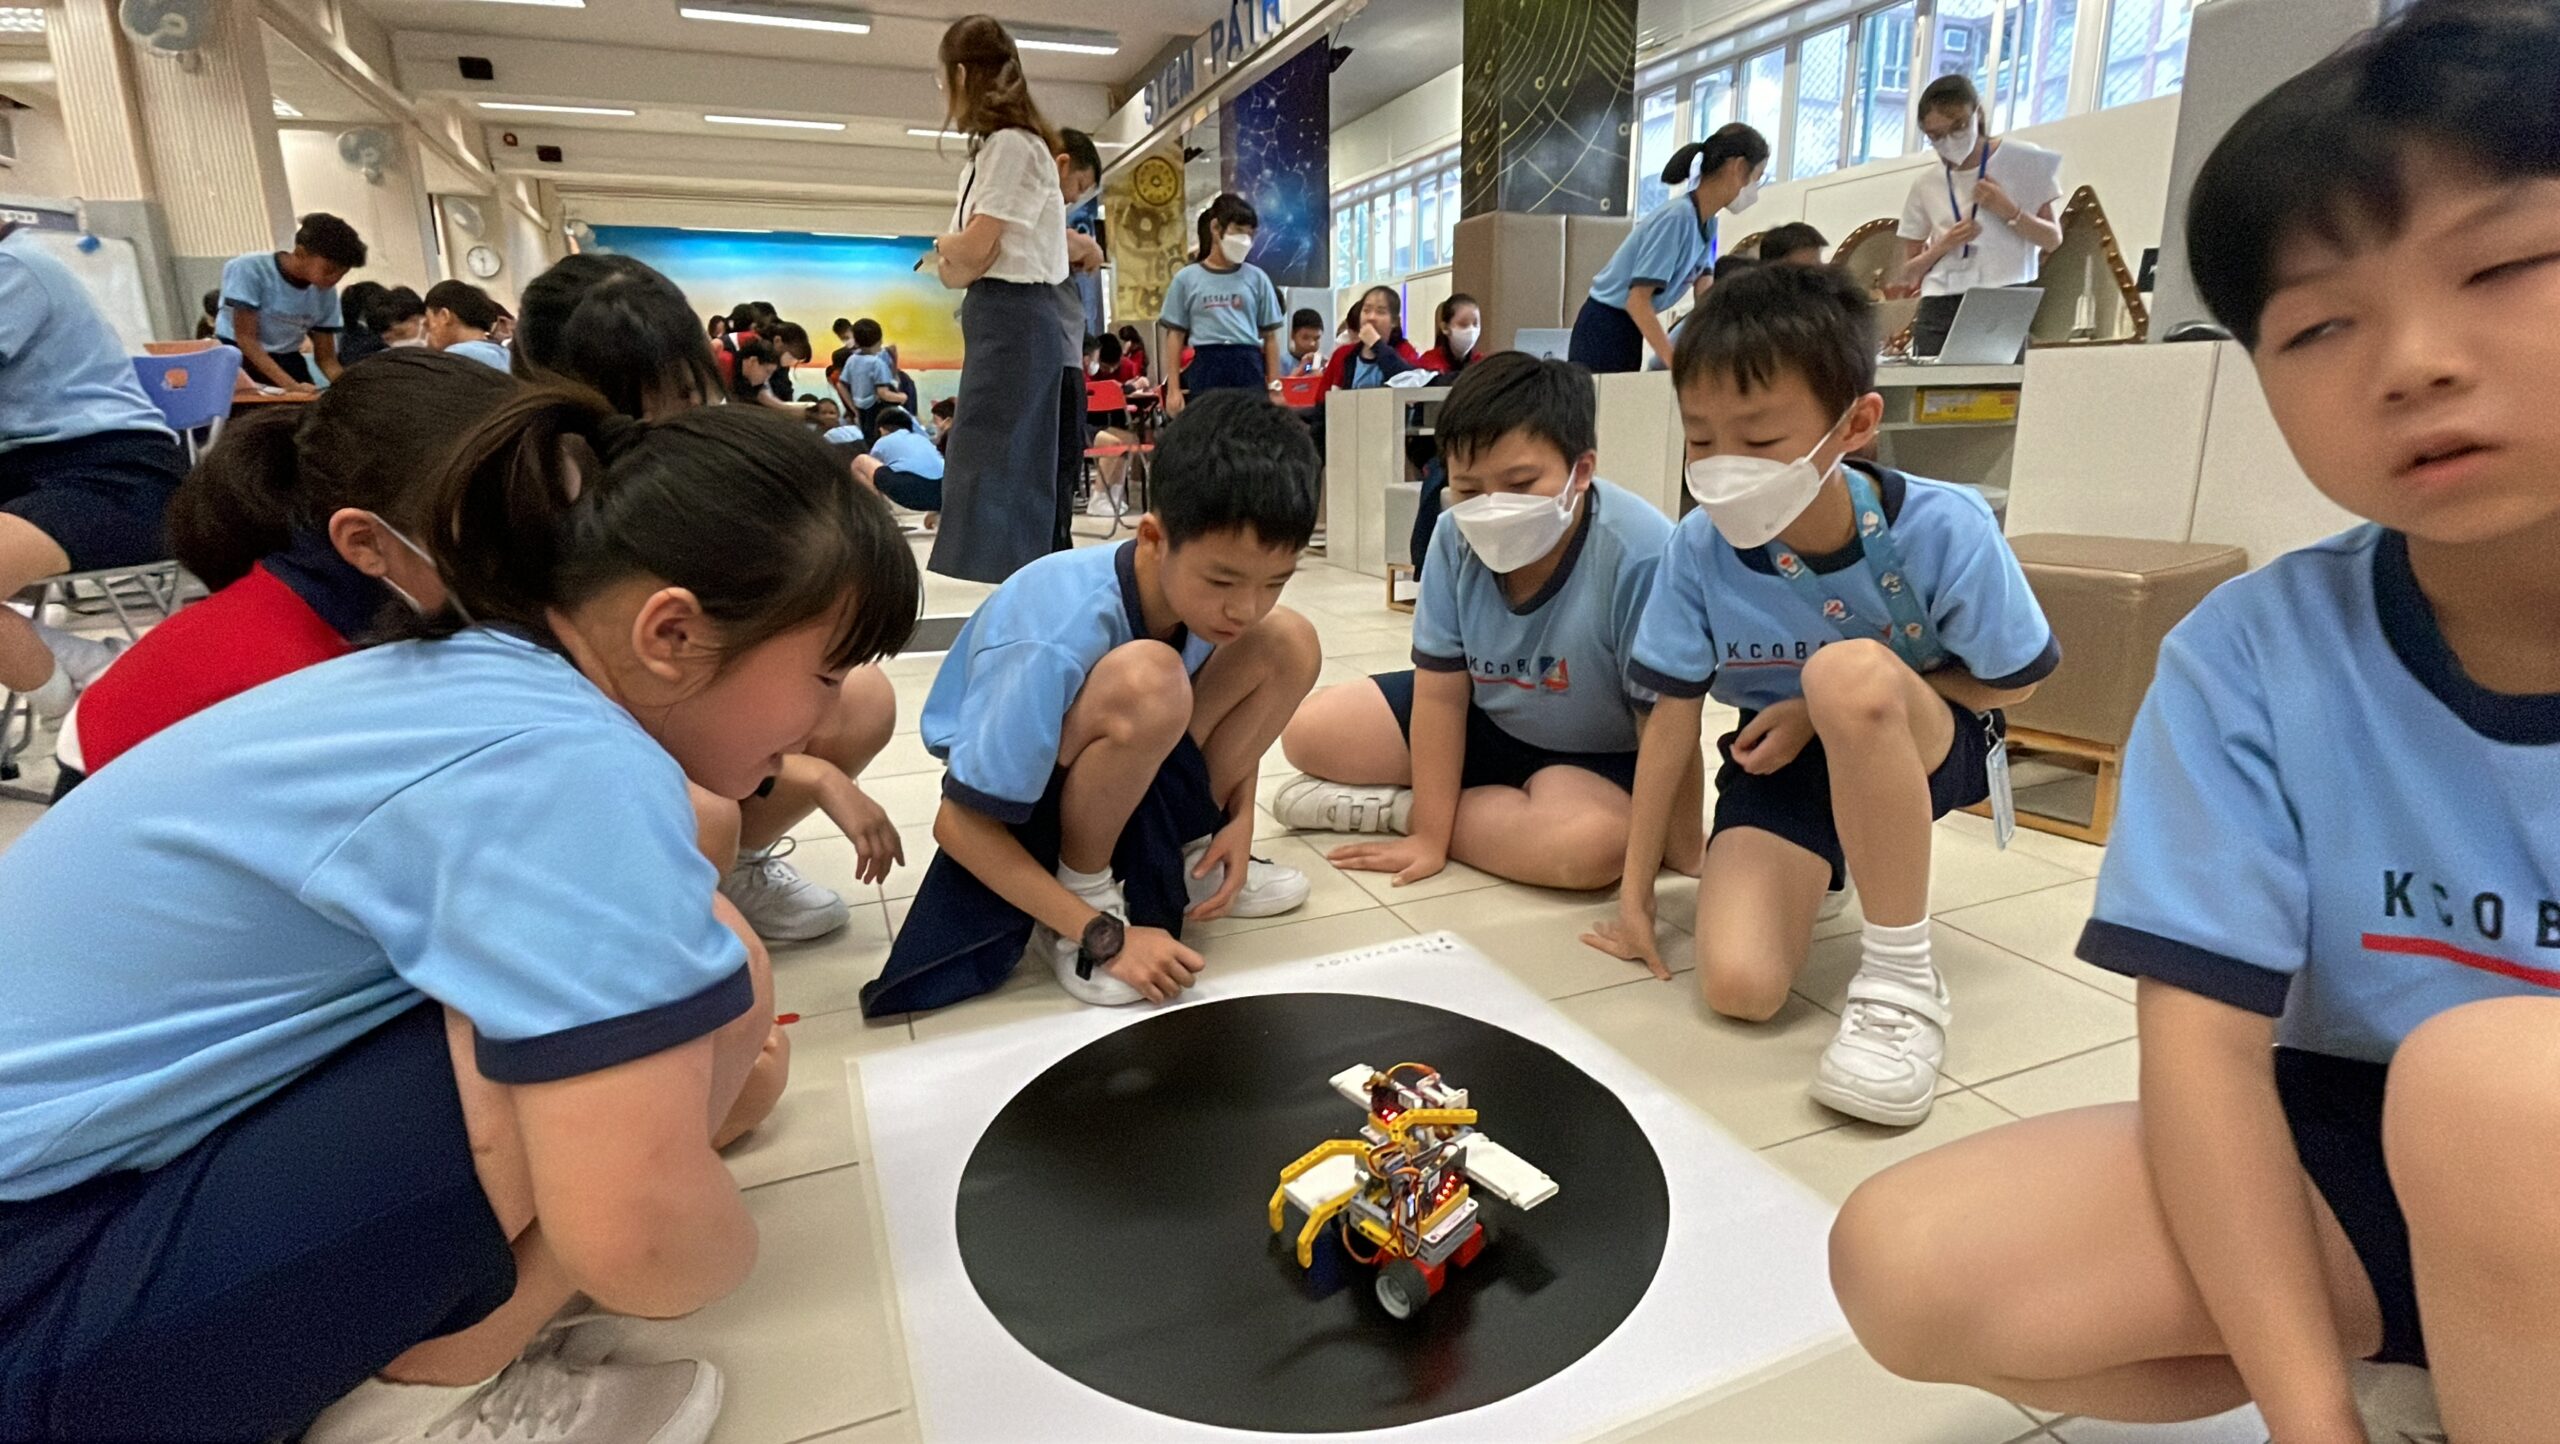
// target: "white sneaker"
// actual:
[[1269, 888], [538, 1399], [780, 904], [1883, 1064], [78, 661], [1836, 902], [1102, 990], [1312, 804], [1103, 502]]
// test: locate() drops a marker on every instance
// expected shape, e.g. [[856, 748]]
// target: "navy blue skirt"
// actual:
[[1605, 338], [1224, 368]]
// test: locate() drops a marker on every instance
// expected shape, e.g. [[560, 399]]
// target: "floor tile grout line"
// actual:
[[892, 1414], [2022, 957], [2052, 1062]]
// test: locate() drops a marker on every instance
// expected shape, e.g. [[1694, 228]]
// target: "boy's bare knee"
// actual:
[[1297, 652], [1590, 856], [1850, 685], [869, 713], [1745, 994], [1886, 1272], [1143, 693]]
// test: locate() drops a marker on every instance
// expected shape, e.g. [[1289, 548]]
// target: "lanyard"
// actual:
[[1956, 206], [1907, 628]]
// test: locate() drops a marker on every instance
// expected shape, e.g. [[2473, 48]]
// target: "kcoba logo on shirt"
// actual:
[[1784, 652], [1550, 674], [2468, 917]]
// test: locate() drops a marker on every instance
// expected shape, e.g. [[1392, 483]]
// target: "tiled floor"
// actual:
[[810, 1344]]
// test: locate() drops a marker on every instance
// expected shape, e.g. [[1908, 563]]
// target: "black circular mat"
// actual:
[[1113, 1219]]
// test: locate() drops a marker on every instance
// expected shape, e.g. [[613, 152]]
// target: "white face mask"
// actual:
[[1236, 246], [1510, 530], [1092, 367], [1745, 198], [421, 553], [414, 341], [1462, 340], [1752, 498], [1956, 145]]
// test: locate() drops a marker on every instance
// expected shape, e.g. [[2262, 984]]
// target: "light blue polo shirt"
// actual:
[[287, 310], [63, 373], [2325, 820], [1668, 250], [998, 707], [1222, 308], [1724, 623], [863, 374], [1551, 671], [487, 353], [909, 452], [468, 820]]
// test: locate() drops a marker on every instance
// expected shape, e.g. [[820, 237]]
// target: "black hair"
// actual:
[[1080, 151], [716, 327], [354, 299], [1306, 318], [1706, 157], [1233, 460], [1732, 264], [790, 336], [213, 301], [558, 497], [1767, 321], [893, 418], [391, 306], [375, 439], [1132, 342], [1508, 391], [1092, 345], [1107, 350], [469, 304], [842, 327], [1229, 209], [1440, 317], [742, 316], [946, 408], [1395, 303], [324, 235], [2329, 153], [614, 324], [1949, 92], [1789, 238], [866, 332], [759, 349]]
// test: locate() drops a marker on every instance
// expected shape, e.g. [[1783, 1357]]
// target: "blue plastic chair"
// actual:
[[191, 388]]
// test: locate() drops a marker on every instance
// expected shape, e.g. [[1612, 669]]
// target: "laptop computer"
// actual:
[[1550, 342], [1990, 328]]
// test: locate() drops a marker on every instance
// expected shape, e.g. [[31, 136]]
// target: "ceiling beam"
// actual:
[[376, 89]]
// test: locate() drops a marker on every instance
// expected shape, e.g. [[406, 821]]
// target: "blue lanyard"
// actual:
[[1957, 206], [1907, 629]]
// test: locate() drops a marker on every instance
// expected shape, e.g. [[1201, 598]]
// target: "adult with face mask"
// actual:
[[1668, 251], [1224, 308], [1982, 216]]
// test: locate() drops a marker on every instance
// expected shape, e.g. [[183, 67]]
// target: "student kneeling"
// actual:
[[1512, 745], [1104, 717], [1868, 626]]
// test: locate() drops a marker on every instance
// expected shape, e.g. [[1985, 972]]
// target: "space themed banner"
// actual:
[[1279, 155], [1548, 106]]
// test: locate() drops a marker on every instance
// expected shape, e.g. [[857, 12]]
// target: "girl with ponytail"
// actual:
[[1224, 309], [420, 1015], [303, 519], [1668, 252]]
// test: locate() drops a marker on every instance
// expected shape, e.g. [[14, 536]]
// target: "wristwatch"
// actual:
[[1103, 939]]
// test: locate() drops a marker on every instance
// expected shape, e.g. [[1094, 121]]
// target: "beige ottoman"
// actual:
[[2111, 600]]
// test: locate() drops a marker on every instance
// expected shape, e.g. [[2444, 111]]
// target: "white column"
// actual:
[[94, 75]]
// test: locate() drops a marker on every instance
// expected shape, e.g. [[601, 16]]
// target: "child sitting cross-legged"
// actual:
[[1868, 626], [1511, 744], [1104, 716]]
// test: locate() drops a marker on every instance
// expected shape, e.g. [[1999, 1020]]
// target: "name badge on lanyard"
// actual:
[[1905, 628], [1958, 207]]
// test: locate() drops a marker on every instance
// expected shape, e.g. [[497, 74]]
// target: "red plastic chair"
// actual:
[[1106, 397]]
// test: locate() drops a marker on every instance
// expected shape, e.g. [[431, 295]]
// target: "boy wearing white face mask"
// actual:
[[1224, 308], [1511, 745], [1983, 215], [1868, 626]]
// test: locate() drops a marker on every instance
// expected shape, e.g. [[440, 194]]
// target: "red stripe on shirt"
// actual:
[[2447, 952]]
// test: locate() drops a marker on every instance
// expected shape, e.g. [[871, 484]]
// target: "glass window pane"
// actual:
[[1764, 94], [1962, 44], [1710, 104], [1450, 199], [1427, 230], [1822, 79], [2035, 61], [2146, 49], [1341, 242], [1884, 83], [1402, 260], [1657, 136]]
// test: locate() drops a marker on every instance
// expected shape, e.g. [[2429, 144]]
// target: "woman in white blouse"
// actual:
[[1008, 252]]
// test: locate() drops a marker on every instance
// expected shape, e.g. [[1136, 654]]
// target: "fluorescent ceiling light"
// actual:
[[926, 132], [553, 4], [1070, 42], [727, 230], [1111, 145], [775, 121], [284, 108], [841, 22], [21, 20], [555, 109]]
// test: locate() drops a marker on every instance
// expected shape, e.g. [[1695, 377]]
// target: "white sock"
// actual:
[[1086, 885], [52, 697], [1900, 954]]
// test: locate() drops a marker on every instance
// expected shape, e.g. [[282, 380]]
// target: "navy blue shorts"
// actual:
[[104, 499], [2334, 1106], [1794, 802], [1495, 758], [236, 1291]]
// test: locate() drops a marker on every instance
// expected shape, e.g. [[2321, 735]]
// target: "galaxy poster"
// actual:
[[1279, 155]]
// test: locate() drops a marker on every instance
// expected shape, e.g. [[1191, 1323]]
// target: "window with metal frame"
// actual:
[[1822, 83], [1882, 101], [2146, 50]]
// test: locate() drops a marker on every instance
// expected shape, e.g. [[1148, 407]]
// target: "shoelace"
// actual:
[[769, 865], [537, 1390], [1880, 1027]]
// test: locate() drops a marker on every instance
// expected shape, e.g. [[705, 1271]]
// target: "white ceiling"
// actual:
[[320, 97]]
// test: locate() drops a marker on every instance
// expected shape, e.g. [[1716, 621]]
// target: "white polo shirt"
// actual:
[[2030, 174]]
